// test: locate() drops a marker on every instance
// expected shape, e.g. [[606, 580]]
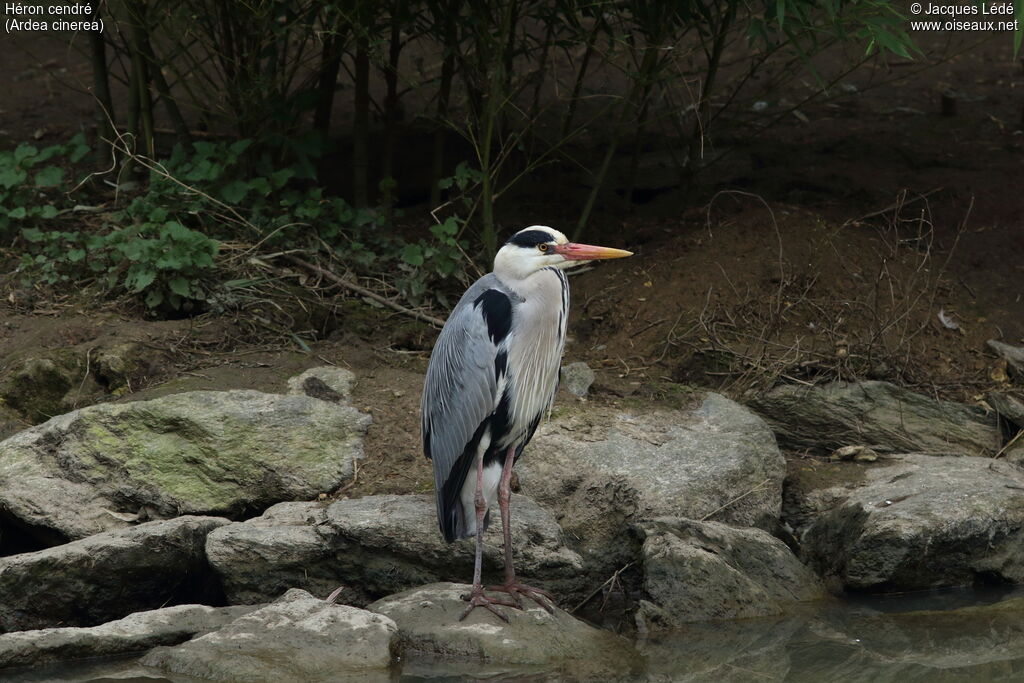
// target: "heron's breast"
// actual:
[[535, 353]]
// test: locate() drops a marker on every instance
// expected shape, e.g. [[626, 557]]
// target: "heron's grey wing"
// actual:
[[461, 391]]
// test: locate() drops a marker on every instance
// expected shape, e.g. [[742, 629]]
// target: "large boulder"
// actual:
[[298, 638], [603, 470], [134, 633], [260, 559], [203, 452], [533, 641], [700, 571], [108, 576], [375, 546], [911, 522], [886, 417]]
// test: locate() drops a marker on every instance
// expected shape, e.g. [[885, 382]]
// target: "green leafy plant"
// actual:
[[27, 182]]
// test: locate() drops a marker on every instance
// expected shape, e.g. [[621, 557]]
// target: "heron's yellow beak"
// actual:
[[571, 251]]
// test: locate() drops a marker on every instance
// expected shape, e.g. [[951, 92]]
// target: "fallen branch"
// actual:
[[899, 204], [436, 322], [1009, 443], [614, 577]]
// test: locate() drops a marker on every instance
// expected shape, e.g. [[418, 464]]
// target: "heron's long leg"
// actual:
[[504, 496], [481, 510], [511, 586], [476, 597]]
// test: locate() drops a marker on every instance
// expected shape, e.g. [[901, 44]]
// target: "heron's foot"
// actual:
[[517, 590], [476, 598]]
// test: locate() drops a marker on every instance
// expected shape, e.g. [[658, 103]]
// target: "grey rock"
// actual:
[[107, 576], [1015, 451], [1014, 355], [298, 638], [260, 559], [876, 414], [38, 387], [1008, 406], [202, 452], [136, 632], [375, 546], [914, 522], [429, 627], [603, 470], [577, 378], [1011, 418], [700, 571], [328, 383]]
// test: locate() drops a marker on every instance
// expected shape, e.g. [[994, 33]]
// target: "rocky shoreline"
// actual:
[[186, 524]]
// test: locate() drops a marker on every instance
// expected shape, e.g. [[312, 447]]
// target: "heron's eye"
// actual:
[[543, 247]]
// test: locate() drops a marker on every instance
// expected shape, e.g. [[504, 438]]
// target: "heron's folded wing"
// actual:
[[462, 384]]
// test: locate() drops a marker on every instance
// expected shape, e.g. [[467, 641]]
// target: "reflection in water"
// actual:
[[958, 635], [922, 637]]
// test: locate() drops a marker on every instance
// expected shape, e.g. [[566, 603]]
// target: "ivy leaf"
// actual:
[[18, 212], [180, 286], [235, 191], [11, 176], [33, 234], [49, 176], [24, 152], [260, 185], [413, 255], [139, 280], [279, 178], [154, 298]]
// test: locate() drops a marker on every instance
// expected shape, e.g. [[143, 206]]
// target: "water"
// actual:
[[959, 635]]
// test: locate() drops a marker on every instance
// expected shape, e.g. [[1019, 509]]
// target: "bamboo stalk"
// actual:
[[361, 122], [101, 81]]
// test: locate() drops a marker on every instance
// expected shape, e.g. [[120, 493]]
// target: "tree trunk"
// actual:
[[451, 46], [105, 116], [327, 81], [361, 123], [391, 114]]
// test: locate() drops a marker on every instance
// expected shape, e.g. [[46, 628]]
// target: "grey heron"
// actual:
[[491, 378]]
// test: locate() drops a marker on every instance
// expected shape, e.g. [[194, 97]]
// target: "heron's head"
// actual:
[[539, 246]]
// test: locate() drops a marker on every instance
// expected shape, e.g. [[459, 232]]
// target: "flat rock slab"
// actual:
[[701, 571], [297, 638], [136, 632], [429, 626], [375, 546], [602, 471], [201, 452], [913, 522], [881, 415], [328, 383], [107, 576]]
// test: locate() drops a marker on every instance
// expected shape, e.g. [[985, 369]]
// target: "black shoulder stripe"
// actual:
[[497, 312], [500, 364], [530, 238]]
